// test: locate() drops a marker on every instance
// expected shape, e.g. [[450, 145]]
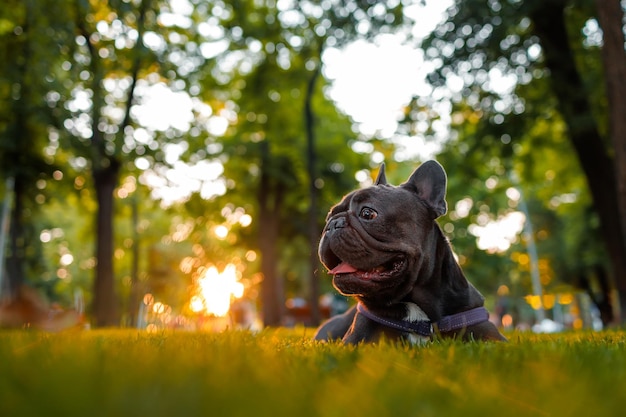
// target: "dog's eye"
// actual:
[[368, 213]]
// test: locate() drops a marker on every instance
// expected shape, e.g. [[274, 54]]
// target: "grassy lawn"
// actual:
[[283, 373]]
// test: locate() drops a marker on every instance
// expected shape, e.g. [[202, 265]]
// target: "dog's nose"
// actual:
[[336, 223]]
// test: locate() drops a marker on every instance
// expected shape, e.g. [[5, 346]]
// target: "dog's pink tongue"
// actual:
[[343, 268]]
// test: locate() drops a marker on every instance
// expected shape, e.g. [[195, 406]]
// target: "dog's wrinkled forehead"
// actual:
[[425, 187], [383, 198], [342, 206], [376, 192]]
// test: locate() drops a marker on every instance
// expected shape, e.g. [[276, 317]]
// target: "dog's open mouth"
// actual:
[[385, 270]]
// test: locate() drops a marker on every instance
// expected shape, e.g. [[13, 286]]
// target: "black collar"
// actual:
[[449, 323]]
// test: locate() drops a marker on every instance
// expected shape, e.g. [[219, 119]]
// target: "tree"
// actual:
[[27, 51], [266, 170], [100, 140], [610, 16], [532, 42], [121, 50], [279, 47]]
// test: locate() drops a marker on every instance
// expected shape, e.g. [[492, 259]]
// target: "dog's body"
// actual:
[[383, 246]]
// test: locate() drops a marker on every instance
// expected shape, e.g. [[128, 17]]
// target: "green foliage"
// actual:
[[280, 372], [76, 78]]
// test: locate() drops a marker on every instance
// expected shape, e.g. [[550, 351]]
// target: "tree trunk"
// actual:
[[550, 27], [106, 168], [270, 198], [6, 285], [17, 240], [105, 299], [133, 304], [610, 17], [314, 232], [15, 263]]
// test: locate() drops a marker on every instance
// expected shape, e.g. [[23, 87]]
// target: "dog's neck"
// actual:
[[444, 290]]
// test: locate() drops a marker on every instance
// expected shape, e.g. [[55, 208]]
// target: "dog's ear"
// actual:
[[381, 179], [429, 182]]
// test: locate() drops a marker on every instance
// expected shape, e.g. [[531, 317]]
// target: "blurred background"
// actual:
[[169, 164]]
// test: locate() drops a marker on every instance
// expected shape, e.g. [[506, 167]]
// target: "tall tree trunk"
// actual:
[[610, 17], [133, 304], [105, 299], [106, 170], [314, 231], [270, 197], [15, 262], [6, 286], [550, 27], [17, 240]]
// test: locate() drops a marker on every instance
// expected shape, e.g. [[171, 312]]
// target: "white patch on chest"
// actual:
[[413, 314]]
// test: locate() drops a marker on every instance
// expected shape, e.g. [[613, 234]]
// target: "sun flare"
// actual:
[[216, 291]]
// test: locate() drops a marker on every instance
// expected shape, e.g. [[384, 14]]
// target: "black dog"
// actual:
[[383, 246]]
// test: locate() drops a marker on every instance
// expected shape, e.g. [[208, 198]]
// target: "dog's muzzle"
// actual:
[[336, 224]]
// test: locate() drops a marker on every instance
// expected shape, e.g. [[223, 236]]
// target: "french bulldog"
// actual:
[[383, 246]]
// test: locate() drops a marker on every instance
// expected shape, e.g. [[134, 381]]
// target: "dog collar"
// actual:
[[449, 323]]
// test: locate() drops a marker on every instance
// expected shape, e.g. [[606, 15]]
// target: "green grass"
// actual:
[[283, 373]]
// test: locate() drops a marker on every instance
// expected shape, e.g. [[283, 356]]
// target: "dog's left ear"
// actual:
[[381, 179], [429, 182]]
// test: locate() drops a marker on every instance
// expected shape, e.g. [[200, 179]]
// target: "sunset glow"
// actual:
[[216, 290]]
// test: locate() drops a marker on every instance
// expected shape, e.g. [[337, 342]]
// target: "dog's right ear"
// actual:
[[381, 179]]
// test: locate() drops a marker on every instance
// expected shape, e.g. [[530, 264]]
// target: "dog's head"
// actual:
[[377, 241]]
